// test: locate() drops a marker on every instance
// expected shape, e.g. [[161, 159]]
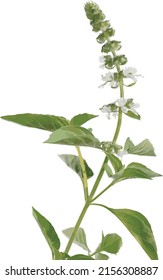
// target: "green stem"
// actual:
[[84, 179], [87, 204], [104, 190], [100, 175]]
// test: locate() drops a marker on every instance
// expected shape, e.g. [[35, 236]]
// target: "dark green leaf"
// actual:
[[100, 256], [80, 237], [80, 257], [111, 243], [49, 233], [56, 255], [82, 118], [45, 122], [145, 148], [73, 162], [139, 227], [74, 135], [138, 170]]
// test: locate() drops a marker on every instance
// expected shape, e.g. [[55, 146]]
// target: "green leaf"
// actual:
[[74, 135], [45, 122], [64, 256], [145, 148], [108, 170], [116, 163], [80, 237], [56, 255], [111, 243], [138, 225], [100, 256], [82, 118], [49, 233], [138, 170], [80, 257], [73, 162], [132, 115]]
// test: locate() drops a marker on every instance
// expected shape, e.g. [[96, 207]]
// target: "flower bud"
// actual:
[[95, 15], [120, 59]]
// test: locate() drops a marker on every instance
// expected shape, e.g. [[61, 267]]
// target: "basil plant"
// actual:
[[71, 132]]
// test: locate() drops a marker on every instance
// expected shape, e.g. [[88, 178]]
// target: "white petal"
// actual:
[[108, 77], [122, 153], [108, 116], [115, 114], [124, 109], [134, 105], [105, 109], [102, 59], [129, 71], [121, 102]]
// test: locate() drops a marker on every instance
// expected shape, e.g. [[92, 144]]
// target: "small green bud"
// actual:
[[111, 46], [115, 45], [109, 62], [93, 12], [110, 32], [104, 36], [106, 48], [101, 38], [120, 59]]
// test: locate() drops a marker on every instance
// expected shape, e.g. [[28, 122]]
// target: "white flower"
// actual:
[[115, 114], [106, 109], [122, 153], [130, 73], [121, 103], [102, 59], [108, 77], [132, 107]]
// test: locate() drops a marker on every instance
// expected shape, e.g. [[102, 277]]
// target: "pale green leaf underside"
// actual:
[[80, 238], [100, 256], [49, 233], [45, 122], [82, 118], [138, 170], [74, 135], [80, 257], [139, 227], [145, 148], [111, 243], [73, 162]]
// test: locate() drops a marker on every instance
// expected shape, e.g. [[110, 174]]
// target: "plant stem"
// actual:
[[89, 198], [84, 179], [87, 204], [99, 177], [104, 190]]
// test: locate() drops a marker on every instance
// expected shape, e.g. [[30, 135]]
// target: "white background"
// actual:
[[49, 64]]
